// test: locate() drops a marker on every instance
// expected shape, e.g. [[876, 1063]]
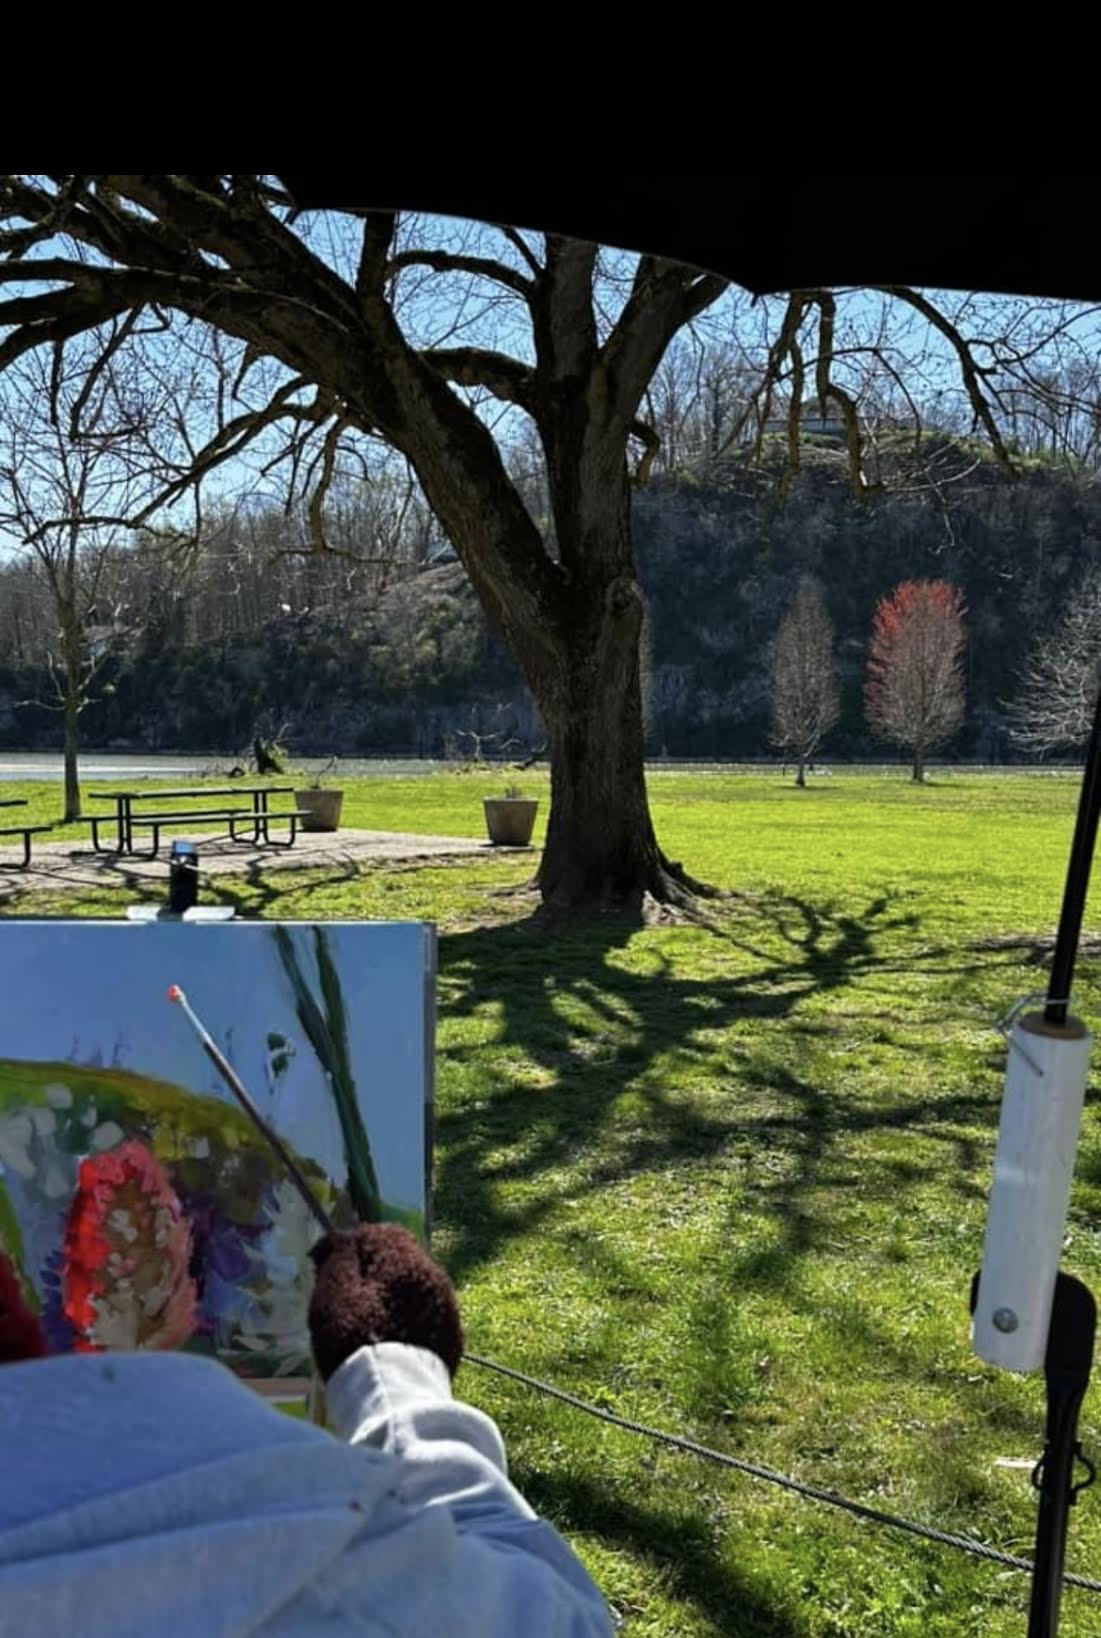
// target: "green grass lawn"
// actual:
[[732, 1182]]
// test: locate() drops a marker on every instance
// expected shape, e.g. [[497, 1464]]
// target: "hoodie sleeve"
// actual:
[[397, 1398]]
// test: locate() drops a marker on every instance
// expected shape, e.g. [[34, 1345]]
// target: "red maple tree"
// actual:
[[914, 687]]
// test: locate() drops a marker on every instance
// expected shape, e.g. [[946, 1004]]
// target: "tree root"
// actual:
[[662, 893]]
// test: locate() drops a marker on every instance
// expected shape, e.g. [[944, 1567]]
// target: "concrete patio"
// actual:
[[65, 866]]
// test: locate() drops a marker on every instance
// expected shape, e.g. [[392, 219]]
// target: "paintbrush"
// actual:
[[237, 1087]]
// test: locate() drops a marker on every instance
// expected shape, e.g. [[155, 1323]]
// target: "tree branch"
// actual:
[[271, 291], [827, 388], [115, 341], [664, 296], [795, 420], [482, 267], [516, 239], [651, 448], [235, 436], [378, 236], [504, 377], [562, 314], [969, 369], [316, 509], [760, 400]]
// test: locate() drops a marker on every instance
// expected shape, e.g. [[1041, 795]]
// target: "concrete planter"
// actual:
[[510, 820], [322, 806]]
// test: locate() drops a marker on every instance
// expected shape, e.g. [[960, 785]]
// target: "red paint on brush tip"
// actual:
[[175, 993]]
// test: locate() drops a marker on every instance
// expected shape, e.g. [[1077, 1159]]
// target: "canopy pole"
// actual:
[[1026, 1312], [1067, 1375], [1078, 881]]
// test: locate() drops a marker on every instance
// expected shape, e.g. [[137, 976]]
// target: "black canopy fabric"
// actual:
[[1024, 234]]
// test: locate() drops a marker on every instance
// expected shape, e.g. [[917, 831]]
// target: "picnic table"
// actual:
[[258, 815], [25, 831]]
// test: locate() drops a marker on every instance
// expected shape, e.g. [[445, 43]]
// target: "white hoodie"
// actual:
[[154, 1496]]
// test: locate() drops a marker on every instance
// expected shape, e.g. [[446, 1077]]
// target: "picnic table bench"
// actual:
[[257, 818], [25, 831]]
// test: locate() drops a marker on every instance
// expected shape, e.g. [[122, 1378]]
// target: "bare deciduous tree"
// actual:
[[351, 324], [1059, 682], [805, 701], [914, 688], [72, 467], [357, 356]]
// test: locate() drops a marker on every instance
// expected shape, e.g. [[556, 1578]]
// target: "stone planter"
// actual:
[[510, 820], [322, 806]]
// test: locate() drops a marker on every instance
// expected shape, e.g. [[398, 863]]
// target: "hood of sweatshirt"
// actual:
[[104, 1530]]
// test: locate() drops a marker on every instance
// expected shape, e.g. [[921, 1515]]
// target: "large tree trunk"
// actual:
[[600, 845], [601, 849], [801, 773], [919, 765]]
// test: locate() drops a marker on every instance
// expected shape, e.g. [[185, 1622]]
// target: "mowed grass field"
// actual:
[[731, 1181]]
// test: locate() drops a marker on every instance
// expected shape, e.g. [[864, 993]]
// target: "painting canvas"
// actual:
[[139, 1204]]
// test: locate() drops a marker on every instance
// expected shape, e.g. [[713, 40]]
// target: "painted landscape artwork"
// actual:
[[140, 1205]]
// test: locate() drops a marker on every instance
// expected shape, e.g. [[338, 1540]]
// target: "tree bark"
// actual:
[[66, 595], [800, 774], [600, 847], [72, 749], [919, 766]]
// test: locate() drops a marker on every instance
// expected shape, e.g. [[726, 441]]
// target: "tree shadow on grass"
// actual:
[[257, 891], [574, 1025], [677, 1542]]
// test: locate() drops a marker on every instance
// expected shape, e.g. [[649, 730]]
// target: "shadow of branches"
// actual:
[[679, 1542], [575, 1023]]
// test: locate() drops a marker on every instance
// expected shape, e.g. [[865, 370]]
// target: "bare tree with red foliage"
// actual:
[[914, 687]]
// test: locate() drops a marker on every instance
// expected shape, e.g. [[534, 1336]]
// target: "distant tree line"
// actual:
[[379, 645]]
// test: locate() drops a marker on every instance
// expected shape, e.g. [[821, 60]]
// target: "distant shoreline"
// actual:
[[116, 765]]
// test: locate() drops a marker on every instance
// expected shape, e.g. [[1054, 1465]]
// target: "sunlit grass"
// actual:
[[732, 1181]]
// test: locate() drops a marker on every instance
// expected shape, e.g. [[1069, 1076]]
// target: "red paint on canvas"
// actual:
[[125, 1276]]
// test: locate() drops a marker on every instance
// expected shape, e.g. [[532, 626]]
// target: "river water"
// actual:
[[175, 765]]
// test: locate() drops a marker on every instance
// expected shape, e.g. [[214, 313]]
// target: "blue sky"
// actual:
[[456, 310]]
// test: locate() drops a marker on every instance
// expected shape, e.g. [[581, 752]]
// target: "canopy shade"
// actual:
[[1023, 234]]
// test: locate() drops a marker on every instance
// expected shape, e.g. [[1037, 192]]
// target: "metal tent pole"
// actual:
[[1066, 1375], [1078, 881], [1074, 1312]]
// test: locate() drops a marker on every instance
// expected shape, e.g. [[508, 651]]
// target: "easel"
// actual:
[[183, 905]]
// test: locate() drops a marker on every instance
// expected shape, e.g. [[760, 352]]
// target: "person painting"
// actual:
[[154, 1494]]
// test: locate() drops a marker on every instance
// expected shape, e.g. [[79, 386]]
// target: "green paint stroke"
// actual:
[[326, 1027], [11, 1240]]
